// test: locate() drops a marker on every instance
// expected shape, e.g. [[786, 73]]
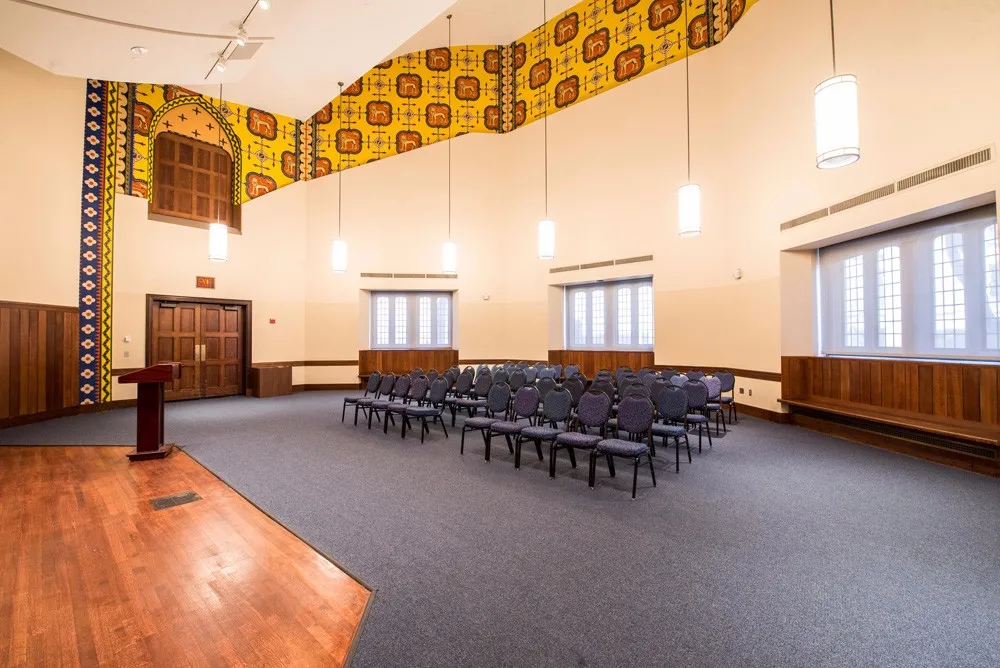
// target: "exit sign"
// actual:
[[206, 282]]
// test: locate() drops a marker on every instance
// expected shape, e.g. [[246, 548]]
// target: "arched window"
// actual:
[[193, 180]]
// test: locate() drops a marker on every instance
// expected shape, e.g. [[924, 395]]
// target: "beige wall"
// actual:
[[615, 163], [42, 146]]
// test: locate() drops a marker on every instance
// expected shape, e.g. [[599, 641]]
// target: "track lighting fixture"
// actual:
[[264, 4], [241, 37], [220, 64]]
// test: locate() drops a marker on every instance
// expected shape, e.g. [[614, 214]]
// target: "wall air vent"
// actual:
[[808, 218], [869, 196], [956, 165], [602, 263], [632, 260], [559, 270], [973, 159], [368, 274], [595, 265]]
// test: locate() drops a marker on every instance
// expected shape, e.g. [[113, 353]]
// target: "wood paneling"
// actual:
[[193, 180], [271, 381], [592, 361], [405, 361], [94, 576], [952, 391], [39, 363]]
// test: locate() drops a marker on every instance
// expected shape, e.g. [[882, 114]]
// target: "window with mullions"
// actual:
[[935, 293], [411, 320], [610, 316]]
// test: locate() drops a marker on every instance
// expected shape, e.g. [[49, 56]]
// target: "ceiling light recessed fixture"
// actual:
[[138, 51], [241, 37], [264, 4]]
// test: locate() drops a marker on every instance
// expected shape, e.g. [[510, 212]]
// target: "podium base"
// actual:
[[159, 453]]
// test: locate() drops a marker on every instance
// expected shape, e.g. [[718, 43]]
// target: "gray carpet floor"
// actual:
[[778, 547]]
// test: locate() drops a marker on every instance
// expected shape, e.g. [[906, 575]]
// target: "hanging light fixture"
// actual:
[[837, 129], [688, 195], [546, 226], [449, 251], [218, 233], [339, 258]]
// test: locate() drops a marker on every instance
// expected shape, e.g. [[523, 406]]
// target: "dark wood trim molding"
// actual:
[[122, 372], [322, 387], [65, 412], [763, 413], [264, 365], [474, 362], [42, 307]]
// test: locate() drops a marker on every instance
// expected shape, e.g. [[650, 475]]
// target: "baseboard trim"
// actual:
[[763, 413], [68, 411]]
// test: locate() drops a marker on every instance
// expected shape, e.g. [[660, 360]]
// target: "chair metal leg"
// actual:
[[440, 418], [687, 442], [509, 443], [461, 450], [572, 456], [356, 408], [635, 476], [677, 452], [423, 428], [385, 422], [343, 412], [489, 437], [517, 453], [453, 412], [552, 459], [611, 466], [404, 422], [593, 468], [652, 473], [538, 448]]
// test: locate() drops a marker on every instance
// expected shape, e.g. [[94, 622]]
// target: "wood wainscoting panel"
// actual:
[[592, 361], [950, 390], [405, 361], [39, 358]]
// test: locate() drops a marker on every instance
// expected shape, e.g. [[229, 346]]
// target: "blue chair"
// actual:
[[697, 393], [714, 405], [433, 409], [371, 388], [695, 375], [556, 408], [364, 404], [524, 408], [592, 413], [416, 394], [399, 390], [495, 409], [476, 399], [672, 408], [635, 422], [728, 385]]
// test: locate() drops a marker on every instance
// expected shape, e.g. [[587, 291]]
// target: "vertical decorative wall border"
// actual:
[[97, 240], [506, 91]]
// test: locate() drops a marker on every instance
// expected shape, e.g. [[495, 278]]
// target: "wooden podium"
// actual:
[[149, 434]]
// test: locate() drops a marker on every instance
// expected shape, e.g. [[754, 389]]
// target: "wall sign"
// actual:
[[207, 282]]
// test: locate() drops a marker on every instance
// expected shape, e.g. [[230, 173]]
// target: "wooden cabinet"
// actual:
[[270, 381]]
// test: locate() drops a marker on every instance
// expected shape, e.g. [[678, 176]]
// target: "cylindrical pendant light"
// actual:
[[838, 141], [688, 195], [339, 256], [449, 251], [218, 233], [546, 226]]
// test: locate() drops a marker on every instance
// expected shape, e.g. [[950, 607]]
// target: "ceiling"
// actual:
[[315, 44]]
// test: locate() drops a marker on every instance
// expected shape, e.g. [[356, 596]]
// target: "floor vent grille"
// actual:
[[912, 435], [164, 502]]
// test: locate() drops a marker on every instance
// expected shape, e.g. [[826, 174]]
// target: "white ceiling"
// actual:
[[484, 22], [316, 43]]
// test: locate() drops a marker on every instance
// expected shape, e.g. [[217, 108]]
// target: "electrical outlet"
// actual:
[[751, 392], [126, 353], [741, 390]]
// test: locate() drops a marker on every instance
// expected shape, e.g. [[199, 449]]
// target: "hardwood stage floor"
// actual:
[[91, 575]]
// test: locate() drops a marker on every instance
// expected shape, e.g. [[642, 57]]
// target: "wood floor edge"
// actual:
[[347, 571], [356, 638], [81, 409]]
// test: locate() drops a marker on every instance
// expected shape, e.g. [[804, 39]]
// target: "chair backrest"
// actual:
[[558, 370], [547, 373], [531, 373], [401, 387], [539, 366], [621, 372], [483, 384], [450, 376], [672, 402], [499, 396], [522, 365], [526, 402], [649, 379], [697, 393], [501, 376], [572, 370], [604, 386], [582, 377], [373, 382], [545, 385], [714, 386], [482, 368], [667, 373], [432, 375], [695, 375], [439, 390], [728, 381], [635, 415], [679, 380], [518, 379], [386, 384], [594, 408], [637, 389], [557, 404], [644, 371], [575, 387], [658, 387], [416, 373], [463, 384], [418, 388], [625, 382]]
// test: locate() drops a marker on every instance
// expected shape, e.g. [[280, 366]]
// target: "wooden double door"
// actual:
[[207, 341]]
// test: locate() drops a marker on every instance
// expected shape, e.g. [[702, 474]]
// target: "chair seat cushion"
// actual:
[[381, 404], [365, 401], [616, 446], [713, 407], [727, 400], [451, 400], [471, 403], [480, 422], [697, 417], [398, 408], [422, 411], [352, 400], [575, 439], [541, 433], [668, 430], [504, 427]]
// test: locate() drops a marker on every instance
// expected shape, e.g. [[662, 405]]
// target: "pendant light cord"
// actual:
[[340, 160], [545, 110], [833, 40], [449, 127], [687, 84], [218, 204]]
